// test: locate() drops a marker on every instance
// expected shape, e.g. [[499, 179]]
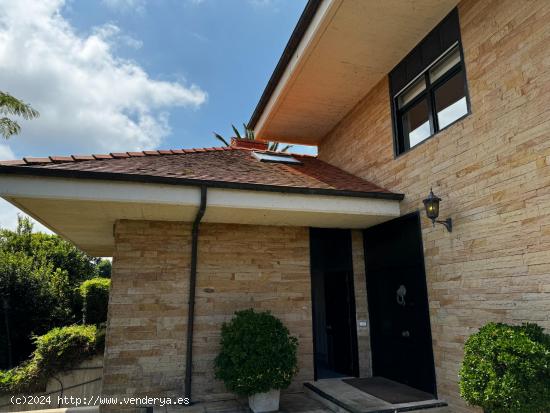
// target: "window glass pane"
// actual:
[[416, 123], [445, 64], [270, 157], [412, 91], [450, 100]]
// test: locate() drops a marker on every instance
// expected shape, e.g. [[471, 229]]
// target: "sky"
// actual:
[[126, 75]]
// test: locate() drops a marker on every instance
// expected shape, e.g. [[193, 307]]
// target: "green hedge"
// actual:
[[506, 369], [95, 299], [257, 354], [58, 349]]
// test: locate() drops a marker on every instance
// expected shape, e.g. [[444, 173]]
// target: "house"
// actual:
[[400, 97]]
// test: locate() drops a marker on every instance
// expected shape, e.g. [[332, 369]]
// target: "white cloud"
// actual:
[[125, 6], [262, 3], [6, 153], [111, 34], [90, 100]]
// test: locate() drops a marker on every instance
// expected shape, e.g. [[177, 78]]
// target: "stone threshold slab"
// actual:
[[347, 398]]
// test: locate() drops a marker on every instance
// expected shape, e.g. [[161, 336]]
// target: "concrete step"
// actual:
[[340, 397]]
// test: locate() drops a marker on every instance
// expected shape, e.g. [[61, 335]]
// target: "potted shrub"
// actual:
[[507, 369], [257, 358]]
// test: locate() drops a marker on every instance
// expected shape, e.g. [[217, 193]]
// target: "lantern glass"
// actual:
[[431, 203]]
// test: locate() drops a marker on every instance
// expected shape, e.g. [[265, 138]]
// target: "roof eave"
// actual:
[[64, 173], [295, 38]]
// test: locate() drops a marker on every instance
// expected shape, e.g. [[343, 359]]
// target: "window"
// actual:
[[428, 88], [279, 157]]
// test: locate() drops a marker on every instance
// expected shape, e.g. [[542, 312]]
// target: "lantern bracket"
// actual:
[[448, 223]]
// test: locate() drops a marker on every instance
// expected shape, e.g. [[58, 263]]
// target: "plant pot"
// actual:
[[267, 402]]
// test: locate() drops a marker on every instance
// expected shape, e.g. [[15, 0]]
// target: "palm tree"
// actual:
[[249, 135], [10, 105]]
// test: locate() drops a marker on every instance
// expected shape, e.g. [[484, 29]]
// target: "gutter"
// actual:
[[295, 38], [126, 177], [192, 293]]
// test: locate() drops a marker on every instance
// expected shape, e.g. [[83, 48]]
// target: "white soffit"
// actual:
[[84, 211], [349, 46]]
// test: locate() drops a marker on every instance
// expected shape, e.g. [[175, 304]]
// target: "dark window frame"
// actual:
[[401, 146]]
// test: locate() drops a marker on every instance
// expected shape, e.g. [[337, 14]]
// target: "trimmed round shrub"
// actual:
[[59, 349], [95, 299], [506, 369], [257, 354]]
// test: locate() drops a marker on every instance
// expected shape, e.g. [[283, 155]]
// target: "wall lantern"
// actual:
[[431, 203]]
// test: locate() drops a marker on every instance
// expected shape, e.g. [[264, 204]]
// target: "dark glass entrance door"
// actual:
[[398, 303], [333, 303]]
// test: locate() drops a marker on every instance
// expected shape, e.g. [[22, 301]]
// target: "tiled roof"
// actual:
[[227, 166]]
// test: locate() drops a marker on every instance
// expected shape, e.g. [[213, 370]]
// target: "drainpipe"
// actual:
[[192, 286]]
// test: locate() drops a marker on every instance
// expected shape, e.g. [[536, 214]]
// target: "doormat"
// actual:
[[388, 390]]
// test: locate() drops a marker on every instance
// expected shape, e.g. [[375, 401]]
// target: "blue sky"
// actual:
[[123, 75], [228, 48]]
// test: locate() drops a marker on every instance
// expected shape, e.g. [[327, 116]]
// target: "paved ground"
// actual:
[[290, 403]]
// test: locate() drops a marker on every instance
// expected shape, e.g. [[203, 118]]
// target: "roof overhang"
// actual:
[[85, 210], [339, 50]]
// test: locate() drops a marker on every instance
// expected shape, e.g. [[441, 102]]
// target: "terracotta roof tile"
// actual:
[[37, 160], [220, 165], [83, 157], [61, 158], [119, 155], [14, 162]]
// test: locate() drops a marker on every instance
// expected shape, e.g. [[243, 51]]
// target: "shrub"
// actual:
[[104, 268], [257, 354], [58, 349], [95, 299], [39, 279], [507, 369]]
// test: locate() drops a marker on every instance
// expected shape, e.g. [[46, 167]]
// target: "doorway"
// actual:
[[333, 304], [401, 341]]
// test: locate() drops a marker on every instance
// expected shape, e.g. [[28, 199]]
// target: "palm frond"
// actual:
[[10, 105], [249, 133], [9, 127], [220, 138], [237, 133]]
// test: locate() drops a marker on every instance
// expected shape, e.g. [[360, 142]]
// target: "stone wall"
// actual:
[[82, 382], [248, 266], [361, 305], [239, 267], [492, 170]]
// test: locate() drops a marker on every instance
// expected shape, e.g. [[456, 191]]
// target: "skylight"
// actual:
[[275, 157]]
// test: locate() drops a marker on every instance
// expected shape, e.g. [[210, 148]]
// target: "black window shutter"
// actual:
[[430, 48], [449, 30]]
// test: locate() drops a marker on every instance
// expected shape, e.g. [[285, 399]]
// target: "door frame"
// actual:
[[353, 313], [423, 285]]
